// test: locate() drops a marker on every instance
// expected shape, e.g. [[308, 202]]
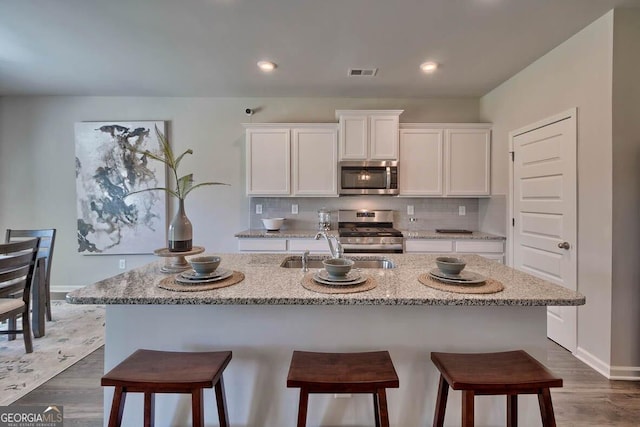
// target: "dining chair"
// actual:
[[17, 264], [45, 250]]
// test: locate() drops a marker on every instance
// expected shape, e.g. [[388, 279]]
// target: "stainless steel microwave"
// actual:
[[368, 177]]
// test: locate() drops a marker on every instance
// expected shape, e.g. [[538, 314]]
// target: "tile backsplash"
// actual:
[[429, 213]]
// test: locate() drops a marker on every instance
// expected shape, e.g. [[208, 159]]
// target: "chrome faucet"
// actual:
[[335, 247], [305, 261]]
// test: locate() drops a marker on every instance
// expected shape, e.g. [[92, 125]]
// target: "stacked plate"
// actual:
[[349, 279], [190, 277], [464, 278]]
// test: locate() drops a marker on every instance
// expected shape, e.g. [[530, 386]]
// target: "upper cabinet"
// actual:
[[421, 161], [268, 161], [368, 134], [445, 160], [291, 159], [467, 164], [315, 161]]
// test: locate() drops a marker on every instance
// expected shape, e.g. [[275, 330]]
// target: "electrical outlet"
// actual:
[[294, 209], [122, 264], [258, 209], [462, 210], [410, 210]]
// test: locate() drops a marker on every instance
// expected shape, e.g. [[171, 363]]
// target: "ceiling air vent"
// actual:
[[362, 72]]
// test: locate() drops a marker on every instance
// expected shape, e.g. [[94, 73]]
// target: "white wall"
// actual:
[[37, 160], [578, 74], [626, 191]]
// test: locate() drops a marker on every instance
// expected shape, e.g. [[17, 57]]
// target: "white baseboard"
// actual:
[[65, 289], [594, 362], [625, 373]]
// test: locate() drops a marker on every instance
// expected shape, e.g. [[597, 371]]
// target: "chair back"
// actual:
[[17, 264], [45, 250]]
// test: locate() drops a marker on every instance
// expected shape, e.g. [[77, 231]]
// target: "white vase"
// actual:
[[180, 231]]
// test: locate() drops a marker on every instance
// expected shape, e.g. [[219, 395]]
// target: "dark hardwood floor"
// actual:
[[587, 399]]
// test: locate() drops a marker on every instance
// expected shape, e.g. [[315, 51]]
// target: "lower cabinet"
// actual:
[[491, 249], [274, 245]]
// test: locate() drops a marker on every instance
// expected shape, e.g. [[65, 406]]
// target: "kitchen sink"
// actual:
[[359, 262]]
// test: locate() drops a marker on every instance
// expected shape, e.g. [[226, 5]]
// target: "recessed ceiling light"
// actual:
[[429, 67], [266, 66]]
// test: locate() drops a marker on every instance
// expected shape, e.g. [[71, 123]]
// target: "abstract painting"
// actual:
[[107, 170]]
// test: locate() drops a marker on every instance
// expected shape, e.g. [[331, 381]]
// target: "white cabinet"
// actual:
[[421, 161], [282, 245], [315, 161], [491, 249], [368, 134], [467, 162], [262, 245], [268, 161], [445, 159], [292, 159]]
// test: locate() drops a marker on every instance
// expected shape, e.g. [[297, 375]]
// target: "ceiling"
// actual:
[[211, 47]]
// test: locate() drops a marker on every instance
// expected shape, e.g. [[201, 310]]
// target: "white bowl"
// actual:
[[272, 224]]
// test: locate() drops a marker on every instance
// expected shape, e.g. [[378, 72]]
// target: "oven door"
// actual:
[[368, 178]]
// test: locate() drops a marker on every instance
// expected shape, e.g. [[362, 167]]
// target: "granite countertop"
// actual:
[[266, 283], [431, 234], [281, 234], [420, 234]]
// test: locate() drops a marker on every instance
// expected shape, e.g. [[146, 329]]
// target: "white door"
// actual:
[[545, 212]]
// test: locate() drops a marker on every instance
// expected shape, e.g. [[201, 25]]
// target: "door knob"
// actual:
[[564, 245]]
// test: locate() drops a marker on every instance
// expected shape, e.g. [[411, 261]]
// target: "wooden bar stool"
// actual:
[[510, 373], [370, 372], [150, 372]]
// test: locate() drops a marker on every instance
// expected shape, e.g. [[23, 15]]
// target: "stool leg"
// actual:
[[197, 408], [382, 407], [117, 407], [302, 407], [48, 299], [223, 415], [149, 409], [512, 410], [441, 403], [467, 408], [546, 408], [376, 409], [12, 325]]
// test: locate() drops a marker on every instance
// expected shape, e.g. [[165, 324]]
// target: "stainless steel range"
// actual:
[[365, 231]]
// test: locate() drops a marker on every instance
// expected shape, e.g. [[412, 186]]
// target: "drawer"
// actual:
[[438, 246], [495, 257], [311, 245], [262, 245], [478, 246]]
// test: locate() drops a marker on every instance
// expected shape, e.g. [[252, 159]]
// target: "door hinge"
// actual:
[[513, 156], [513, 222]]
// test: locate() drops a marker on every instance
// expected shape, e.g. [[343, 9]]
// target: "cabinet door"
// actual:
[[383, 137], [315, 162], [354, 137], [421, 157], [467, 162], [268, 161]]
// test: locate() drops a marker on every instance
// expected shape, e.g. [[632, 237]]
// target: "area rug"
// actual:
[[75, 332]]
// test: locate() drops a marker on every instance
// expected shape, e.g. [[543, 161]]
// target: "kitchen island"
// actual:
[[269, 314]]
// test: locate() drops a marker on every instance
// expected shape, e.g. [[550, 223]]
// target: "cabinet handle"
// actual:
[[564, 245]]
